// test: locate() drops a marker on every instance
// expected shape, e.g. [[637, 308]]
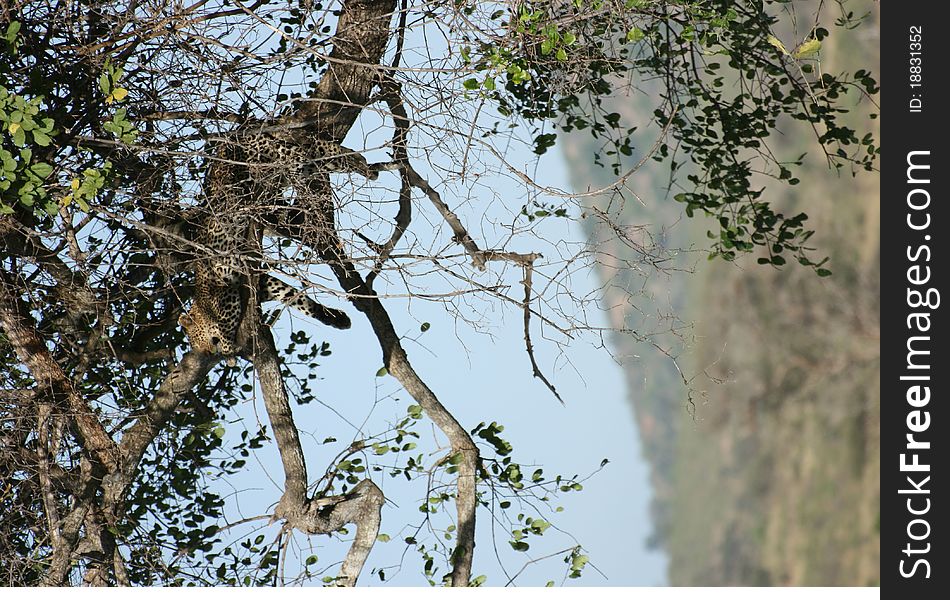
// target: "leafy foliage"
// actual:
[[726, 85]]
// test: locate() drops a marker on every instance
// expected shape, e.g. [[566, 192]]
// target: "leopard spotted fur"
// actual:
[[245, 181]]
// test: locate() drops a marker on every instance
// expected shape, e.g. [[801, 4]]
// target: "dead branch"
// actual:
[[393, 96], [480, 258], [529, 347]]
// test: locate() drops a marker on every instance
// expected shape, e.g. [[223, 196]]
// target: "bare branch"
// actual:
[[529, 347]]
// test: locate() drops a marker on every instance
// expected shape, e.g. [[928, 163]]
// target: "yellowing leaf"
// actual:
[[67, 200], [808, 48], [119, 94], [109, 99], [14, 127], [74, 184], [777, 43]]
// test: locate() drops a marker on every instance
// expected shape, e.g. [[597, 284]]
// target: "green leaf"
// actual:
[[12, 29], [382, 372], [635, 35], [104, 84], [41, 138], [380, 449], [41, 170], [561, 55], [470, 84], [6, 161], [425, 327]]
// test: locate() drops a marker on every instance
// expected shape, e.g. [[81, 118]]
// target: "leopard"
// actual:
[[212, 322], [246, 180]]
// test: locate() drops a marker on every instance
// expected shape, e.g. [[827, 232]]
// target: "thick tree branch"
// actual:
[[360, 506], [361, 37], [178, 383], [397, 363], [21, 332]]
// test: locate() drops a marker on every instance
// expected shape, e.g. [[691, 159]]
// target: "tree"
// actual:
[[137, 137]]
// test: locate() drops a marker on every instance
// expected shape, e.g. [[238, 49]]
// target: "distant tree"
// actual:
[[158, 156]]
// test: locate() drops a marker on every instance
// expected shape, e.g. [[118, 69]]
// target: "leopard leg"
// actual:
[[272, 288]]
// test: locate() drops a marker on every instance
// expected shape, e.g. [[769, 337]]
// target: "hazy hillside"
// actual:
[[775, 480]]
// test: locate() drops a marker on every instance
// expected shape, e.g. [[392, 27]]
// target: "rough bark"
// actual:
[[361, 37], [20, 329], [188, 373]]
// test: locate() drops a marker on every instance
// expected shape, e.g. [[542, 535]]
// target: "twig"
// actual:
[[393, 96], [528, 270], [460, 235]]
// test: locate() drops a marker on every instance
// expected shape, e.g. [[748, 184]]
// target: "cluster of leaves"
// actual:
[[511, 491], [725, 81], [508, 479], [110, 84], [22, 177], [174, 521], [537, 209], [28, 126], [303, 353]]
